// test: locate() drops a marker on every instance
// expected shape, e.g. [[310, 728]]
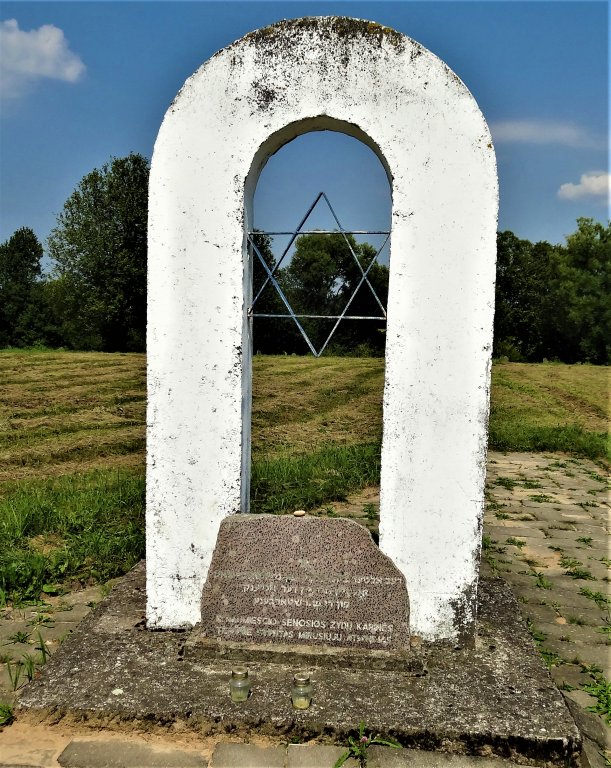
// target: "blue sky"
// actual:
[[84, 81]]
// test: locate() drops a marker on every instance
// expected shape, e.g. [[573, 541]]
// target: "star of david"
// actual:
[[271, 274]]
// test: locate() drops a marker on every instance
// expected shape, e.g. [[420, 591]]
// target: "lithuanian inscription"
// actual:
[[303, 581]]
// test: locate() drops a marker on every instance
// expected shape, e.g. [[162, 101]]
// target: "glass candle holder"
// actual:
[[301, 691], [239, 684]]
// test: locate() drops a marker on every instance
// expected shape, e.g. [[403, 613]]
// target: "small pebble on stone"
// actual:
[[299, 512]]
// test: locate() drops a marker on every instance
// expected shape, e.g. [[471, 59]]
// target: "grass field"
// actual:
[[72, 447]]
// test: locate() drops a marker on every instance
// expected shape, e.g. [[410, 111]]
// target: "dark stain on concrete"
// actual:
[[263, 96], [464, 608], [327, 27]]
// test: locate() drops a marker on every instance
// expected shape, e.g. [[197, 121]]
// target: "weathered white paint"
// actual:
[[240, 107]]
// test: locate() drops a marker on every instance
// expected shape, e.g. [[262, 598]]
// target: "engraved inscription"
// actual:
[[295, 592]]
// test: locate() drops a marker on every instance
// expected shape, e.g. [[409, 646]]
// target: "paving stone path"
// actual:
[[546, 532]]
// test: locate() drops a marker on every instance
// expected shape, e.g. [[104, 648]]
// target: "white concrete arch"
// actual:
[[240, 107]]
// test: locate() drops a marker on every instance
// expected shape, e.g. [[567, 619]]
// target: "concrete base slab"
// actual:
[[199, 649], [494, 699], [383, 757]]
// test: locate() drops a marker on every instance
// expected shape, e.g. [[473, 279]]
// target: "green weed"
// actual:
[[490, 545], [371, 511], [14, 672], [42, 647], [540, 581], [550, 658], [40, 619], [358, 748], [600, 688], [528, 483], [506, 482], [6, 714], [516, 542], [587, 540], [602, 601], [29, 666], [579, 573], [597, 477]]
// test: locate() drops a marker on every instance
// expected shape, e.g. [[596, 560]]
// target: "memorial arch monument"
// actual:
[[241, 106]]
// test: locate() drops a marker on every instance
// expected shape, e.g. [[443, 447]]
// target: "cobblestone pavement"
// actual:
[[546, 532]]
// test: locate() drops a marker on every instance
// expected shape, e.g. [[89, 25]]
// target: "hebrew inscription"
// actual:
[[303, 581]]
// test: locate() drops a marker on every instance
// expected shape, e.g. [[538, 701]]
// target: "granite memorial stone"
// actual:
[[303, 581]]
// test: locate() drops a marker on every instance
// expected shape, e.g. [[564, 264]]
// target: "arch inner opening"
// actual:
[[320, 220]]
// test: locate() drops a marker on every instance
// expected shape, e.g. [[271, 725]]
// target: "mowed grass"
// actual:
[[71, 469], [551, 407], [72, 437]]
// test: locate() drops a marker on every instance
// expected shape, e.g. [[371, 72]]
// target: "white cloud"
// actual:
[[26, 57], [592, 184], [542, 132]]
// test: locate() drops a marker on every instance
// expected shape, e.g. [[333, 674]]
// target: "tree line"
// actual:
[[552, 301]]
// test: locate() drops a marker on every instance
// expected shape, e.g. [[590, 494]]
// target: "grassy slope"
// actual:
[[550, 407], [72, 446]]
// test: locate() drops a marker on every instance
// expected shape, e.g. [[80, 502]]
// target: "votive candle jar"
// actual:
[[301, 691], [239, 684]]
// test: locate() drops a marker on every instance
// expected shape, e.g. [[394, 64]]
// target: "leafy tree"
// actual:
[[271, 335], [99, 249], [64, 323], [523, 297], [20, 257], [553, 301], [582, 320], [321, 279]]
